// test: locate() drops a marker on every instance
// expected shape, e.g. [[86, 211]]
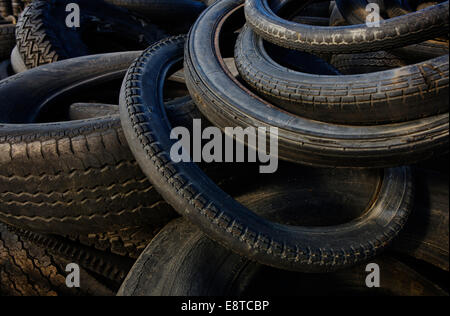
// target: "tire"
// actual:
[[43, 37], [412, 28], [83, 111], [7, 40], [75, 176], [27, 269], [160, 10], [111, 267], [425, 236], [225, 102], [181, 261], [395, 95], [353, 64], [354, 12], [185, 187], [127, 242]]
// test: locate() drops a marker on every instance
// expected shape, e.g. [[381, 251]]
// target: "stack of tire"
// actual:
[[86, 174]]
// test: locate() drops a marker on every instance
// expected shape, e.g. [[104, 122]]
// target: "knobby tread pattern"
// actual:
[[408, 29], [107, 265], [75, 176], [380, 97], [303, 140], [27, 269], [35, 43], [7, 40], [218, 222]]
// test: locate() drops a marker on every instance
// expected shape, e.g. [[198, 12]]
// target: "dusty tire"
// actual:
[[353, 64], [425, 236], [74, 176], [388, 96], [226, 102], [43, 37], [27, 269], [412, 28]]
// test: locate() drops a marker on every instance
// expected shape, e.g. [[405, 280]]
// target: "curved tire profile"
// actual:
[[27, 269], [200, 267], [425, 236], [195, 196], [397, 32], [43, 37], [395, 95], [74, 176], [353, 64], [226, 102]]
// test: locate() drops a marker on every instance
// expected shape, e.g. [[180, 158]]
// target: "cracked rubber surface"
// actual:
[[198, 198], [392, 33], [227, 103]]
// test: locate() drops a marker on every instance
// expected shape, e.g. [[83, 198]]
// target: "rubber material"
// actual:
[[43, 37], [27, 269], [17, 63], [353, 64], [382, 97], [7, 40], [411, 28], [181, 261], [425, 236], [185, 187], [109, 266], [227, 103]]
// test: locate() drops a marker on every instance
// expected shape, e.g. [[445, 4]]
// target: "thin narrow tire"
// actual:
[[195, 196]]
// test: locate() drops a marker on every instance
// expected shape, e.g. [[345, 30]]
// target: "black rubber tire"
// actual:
[[192, 194], [227, 103], [109, 266], [75, 176], [355, 13], [181, 261], [412, 28], [53, 84], [18, 6], [395, 95], [127, 242], [83, 111], [27, 269], [43, 37], [7, 40], [353, 64], [426, 235], [17, 63], [181, 11]]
